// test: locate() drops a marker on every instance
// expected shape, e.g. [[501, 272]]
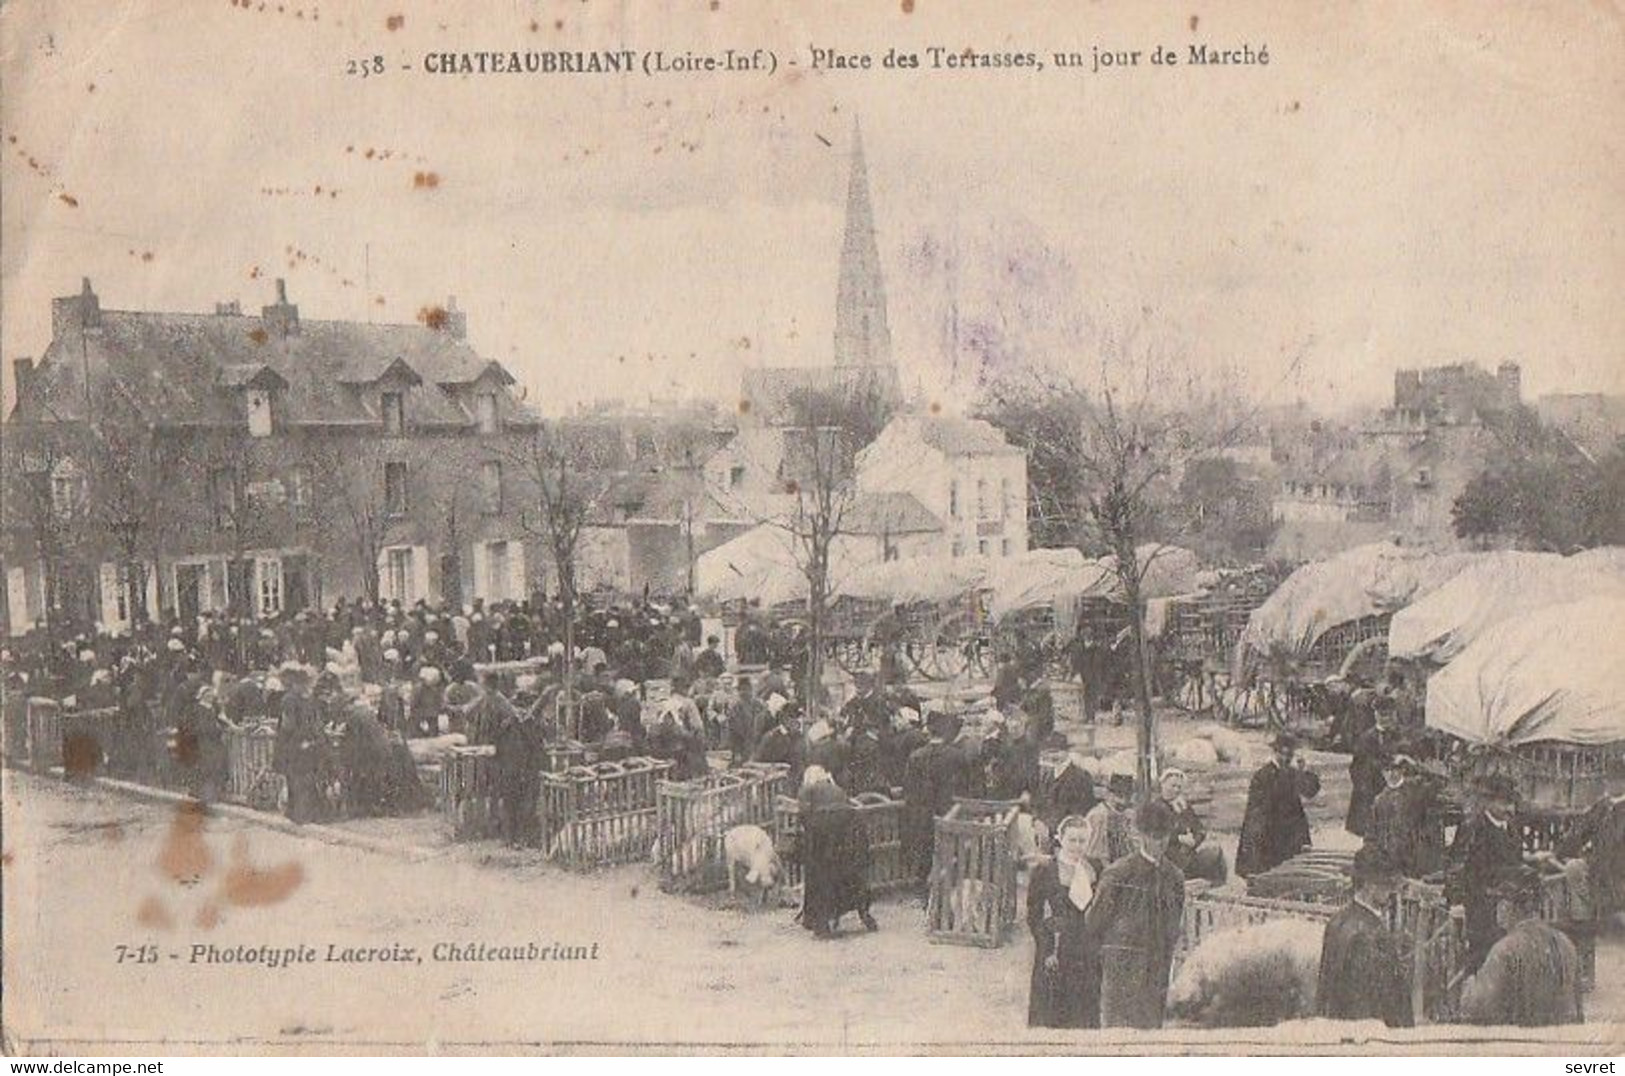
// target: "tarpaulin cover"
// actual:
[[1166, 571], [1041, 577], [1359, 582], [1554, 674], [1499, 587], [915, 579], [765, 563]]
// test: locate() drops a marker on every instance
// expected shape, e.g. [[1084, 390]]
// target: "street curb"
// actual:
[[326, 834]]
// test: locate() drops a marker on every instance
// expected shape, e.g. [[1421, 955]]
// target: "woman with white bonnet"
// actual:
[[1065, 988], [834, 856]]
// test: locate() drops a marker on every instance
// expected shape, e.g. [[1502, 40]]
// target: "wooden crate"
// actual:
[[694, 815], [973, 874], [1208, 913], [251, 776], [564, 754], [882, 819], [1551, 778], [468, 799], [1314, 876], [44, 733], [1432, 943], [598, 815]]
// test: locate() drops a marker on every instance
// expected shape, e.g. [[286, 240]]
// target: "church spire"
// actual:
[[862, 336]]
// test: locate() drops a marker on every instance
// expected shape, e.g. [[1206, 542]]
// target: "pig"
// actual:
[[749, 849]]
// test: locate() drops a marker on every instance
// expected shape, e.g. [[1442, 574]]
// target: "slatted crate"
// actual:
[[468, 799], [882, 819], [973, 874], [595, 816], [1432, 943], [564, 754], [44, 733], [694, 815], [251, 776], [1208, 913], [1552, 778]]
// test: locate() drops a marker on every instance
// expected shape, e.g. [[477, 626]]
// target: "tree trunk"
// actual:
[[1145, 740]]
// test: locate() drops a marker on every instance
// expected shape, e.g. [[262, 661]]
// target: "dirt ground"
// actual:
[[86, 871]]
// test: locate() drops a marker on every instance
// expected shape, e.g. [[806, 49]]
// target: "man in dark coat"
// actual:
[[1371, 752], [899, 741], [868, 705], [1599, 836], [1274, 827], [520, 755], [1135, 920], [936, 773], [1406, 826], [301, 747], [1073, 793], [865, 767], [747, 720], [1361, 974], [1487, 851], [781, 744]]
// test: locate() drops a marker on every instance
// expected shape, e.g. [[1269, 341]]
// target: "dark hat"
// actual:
[[1284, 741], [1120, 783], [1373, 865], [1154, 819], [943, 724]]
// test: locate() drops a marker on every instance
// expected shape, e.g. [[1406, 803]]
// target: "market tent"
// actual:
[[1041, 577], [915, 579], [1359, 582], [764, 563], [1552, 675], [1166, 571], [1499, 587]]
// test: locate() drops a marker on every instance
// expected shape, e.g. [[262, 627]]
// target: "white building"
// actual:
[[963, 471]]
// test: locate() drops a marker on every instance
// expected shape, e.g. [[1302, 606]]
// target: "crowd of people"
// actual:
[[349, 691]]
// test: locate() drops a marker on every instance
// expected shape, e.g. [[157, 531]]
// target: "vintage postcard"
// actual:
[[888, 527]]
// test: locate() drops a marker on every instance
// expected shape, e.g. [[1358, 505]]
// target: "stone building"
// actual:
[[170, 463]]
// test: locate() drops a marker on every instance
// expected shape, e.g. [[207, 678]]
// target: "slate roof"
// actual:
[[182, 369], [964, 437], [889, 513], [771, 391]]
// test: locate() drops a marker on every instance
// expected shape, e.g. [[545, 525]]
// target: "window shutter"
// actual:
[[480, 559], [111, 621], [420, 572], [516, 570], [17, 604], [384, 587], [216, 570]]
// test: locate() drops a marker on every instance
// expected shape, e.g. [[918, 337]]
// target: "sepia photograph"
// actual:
[[899, 527]]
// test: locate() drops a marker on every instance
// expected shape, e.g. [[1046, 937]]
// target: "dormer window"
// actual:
[[259, 413], [485, 407], [393, 406]]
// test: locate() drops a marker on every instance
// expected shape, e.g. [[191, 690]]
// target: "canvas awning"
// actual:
[[1553, 675]]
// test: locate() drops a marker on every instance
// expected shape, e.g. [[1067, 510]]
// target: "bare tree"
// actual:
[[572, 477], [130, 475], [35, 510], [348, 495], [1113, 447]]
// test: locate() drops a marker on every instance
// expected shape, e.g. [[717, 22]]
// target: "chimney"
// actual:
[[1509, 377], [456, 321], [23, 371], [281, 317], [1407, 390], [75, 312]]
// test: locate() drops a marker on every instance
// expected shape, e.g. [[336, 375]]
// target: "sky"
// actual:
[[1399, 186]]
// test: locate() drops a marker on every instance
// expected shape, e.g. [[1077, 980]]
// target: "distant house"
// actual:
[[960, 470], [270, 463], [1399, 474]]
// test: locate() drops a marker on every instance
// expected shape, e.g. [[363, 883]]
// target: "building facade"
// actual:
[[166, 464], [963, 472]]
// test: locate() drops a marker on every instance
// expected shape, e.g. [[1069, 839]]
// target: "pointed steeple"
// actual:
[[862, 335]]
